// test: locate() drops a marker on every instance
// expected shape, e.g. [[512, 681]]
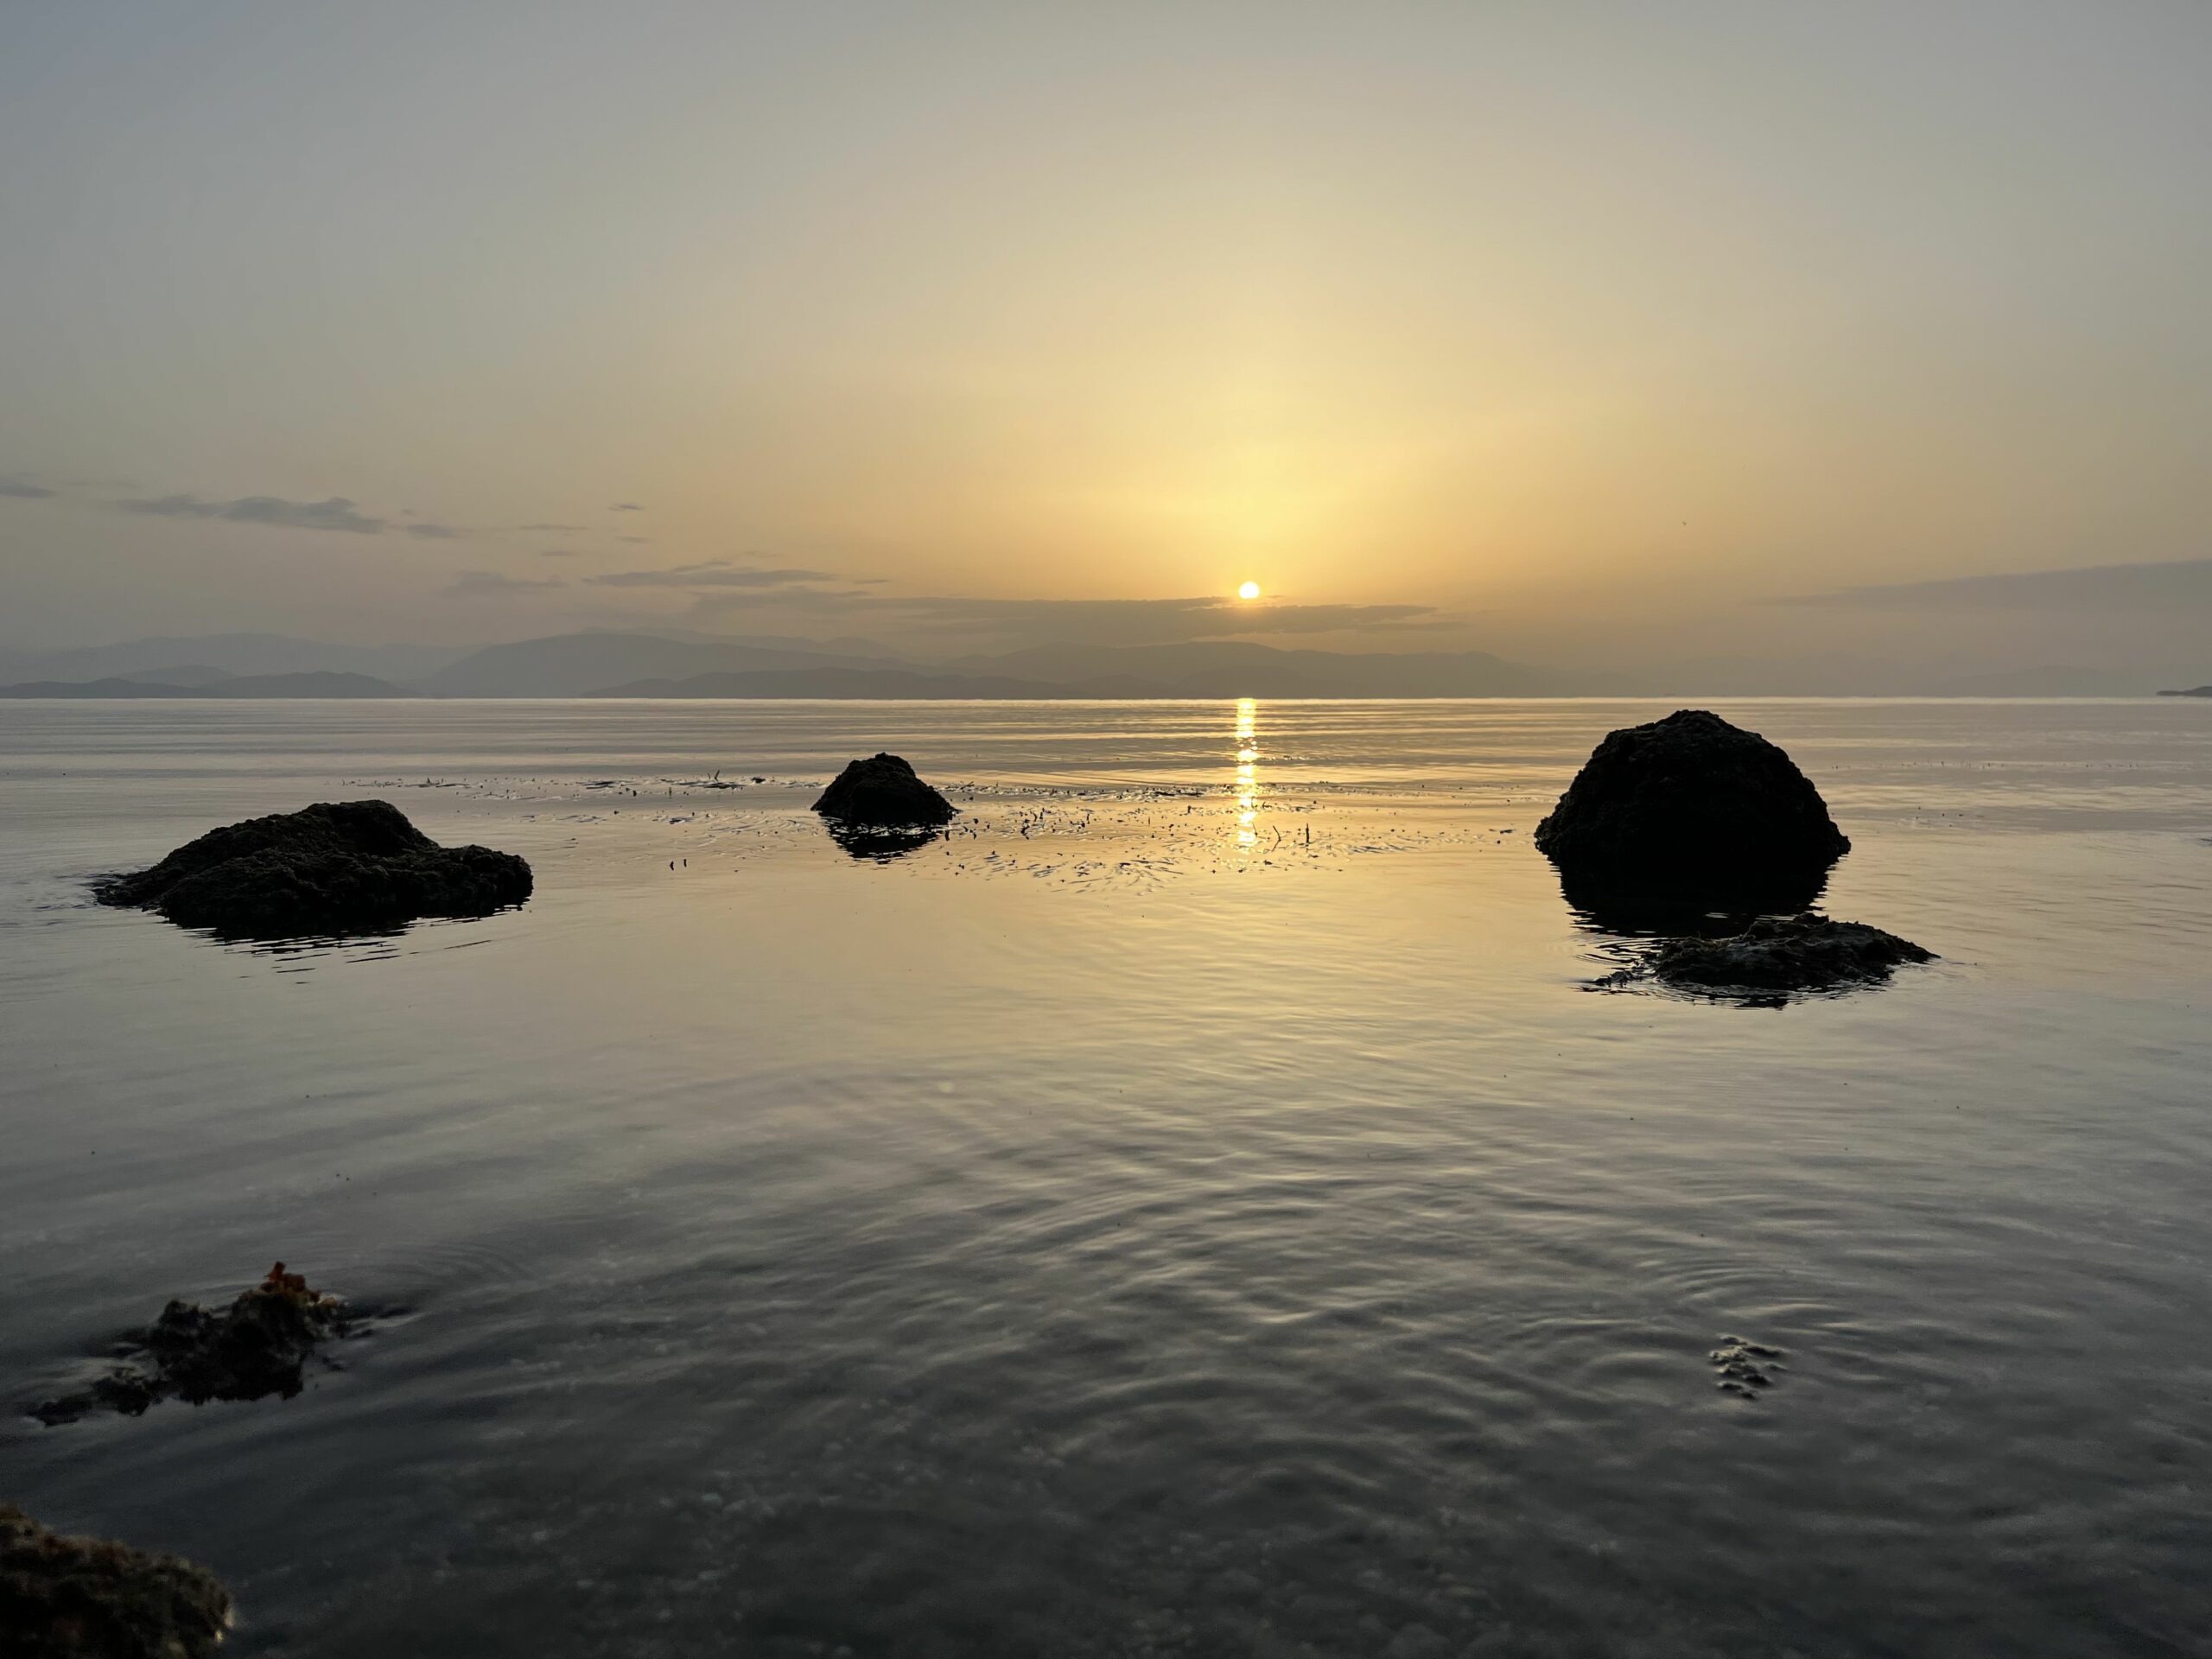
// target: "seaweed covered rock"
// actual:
[[331, 867], [883, 792], [1745, 1366], [63, 1597], [1694, 808], [259, 1344], [1795, 953]]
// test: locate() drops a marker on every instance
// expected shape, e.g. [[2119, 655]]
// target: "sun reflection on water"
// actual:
[[1248, 761]]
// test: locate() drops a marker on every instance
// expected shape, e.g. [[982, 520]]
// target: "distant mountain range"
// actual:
[[226, 655], [884, 684], [613, 664], [311, 685], [580, 664], [1206, 670], [1231, 669]]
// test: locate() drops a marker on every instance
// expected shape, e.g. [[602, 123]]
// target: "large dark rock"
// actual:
[[332, 866], [1795, 953], [63, 1597], [882, 791], [1693, 807], [259, 1344]]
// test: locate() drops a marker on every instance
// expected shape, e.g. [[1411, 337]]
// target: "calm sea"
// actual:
[[1196, 1208]]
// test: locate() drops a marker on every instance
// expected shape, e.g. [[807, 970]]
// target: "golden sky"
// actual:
[[1568, 323]]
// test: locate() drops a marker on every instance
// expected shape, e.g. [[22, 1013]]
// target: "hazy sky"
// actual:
[[1557, 329]]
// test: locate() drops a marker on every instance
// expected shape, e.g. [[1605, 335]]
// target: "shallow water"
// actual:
[[1197, 1207]]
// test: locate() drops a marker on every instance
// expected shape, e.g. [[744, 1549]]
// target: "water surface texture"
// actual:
[[1195, 1207]]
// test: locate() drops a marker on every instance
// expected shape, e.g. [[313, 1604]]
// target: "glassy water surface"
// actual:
[[1197, 1207]]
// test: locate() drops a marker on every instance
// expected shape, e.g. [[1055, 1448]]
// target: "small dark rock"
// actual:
[[882, 791], [63, 1597], [1795, 953], [1693, 806], [1739, 1363], [258, 1346], [330, 867]]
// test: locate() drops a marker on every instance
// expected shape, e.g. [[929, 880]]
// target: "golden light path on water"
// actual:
[[1248, 761]]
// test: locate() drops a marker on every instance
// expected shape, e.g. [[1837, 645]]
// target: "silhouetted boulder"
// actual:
[[63, 1597], [1692, 807], [332, 866], [259, 1344], [1795, 953], [882, 791]]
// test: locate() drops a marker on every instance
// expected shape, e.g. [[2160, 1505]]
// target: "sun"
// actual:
[[1249, 590]]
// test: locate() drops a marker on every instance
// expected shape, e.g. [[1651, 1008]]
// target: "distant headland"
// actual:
[[614, 663]]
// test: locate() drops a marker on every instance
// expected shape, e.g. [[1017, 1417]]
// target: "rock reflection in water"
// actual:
[[880, 845], [1711, 915]]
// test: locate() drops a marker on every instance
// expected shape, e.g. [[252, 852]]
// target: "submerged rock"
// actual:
[[882, 791], [331, 867], [1693, 807], [1745, 1367], [63, 1597], [1795, 953], [258, 1346]]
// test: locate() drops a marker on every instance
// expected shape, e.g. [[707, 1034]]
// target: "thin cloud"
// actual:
[[481, 584], [337, 513], [555, 530], [1152, 621], [427, 532], [2182, 584], [24, 492], [636, 541], [556, 553], [1082, 621], [628, 506], [714, 573]]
